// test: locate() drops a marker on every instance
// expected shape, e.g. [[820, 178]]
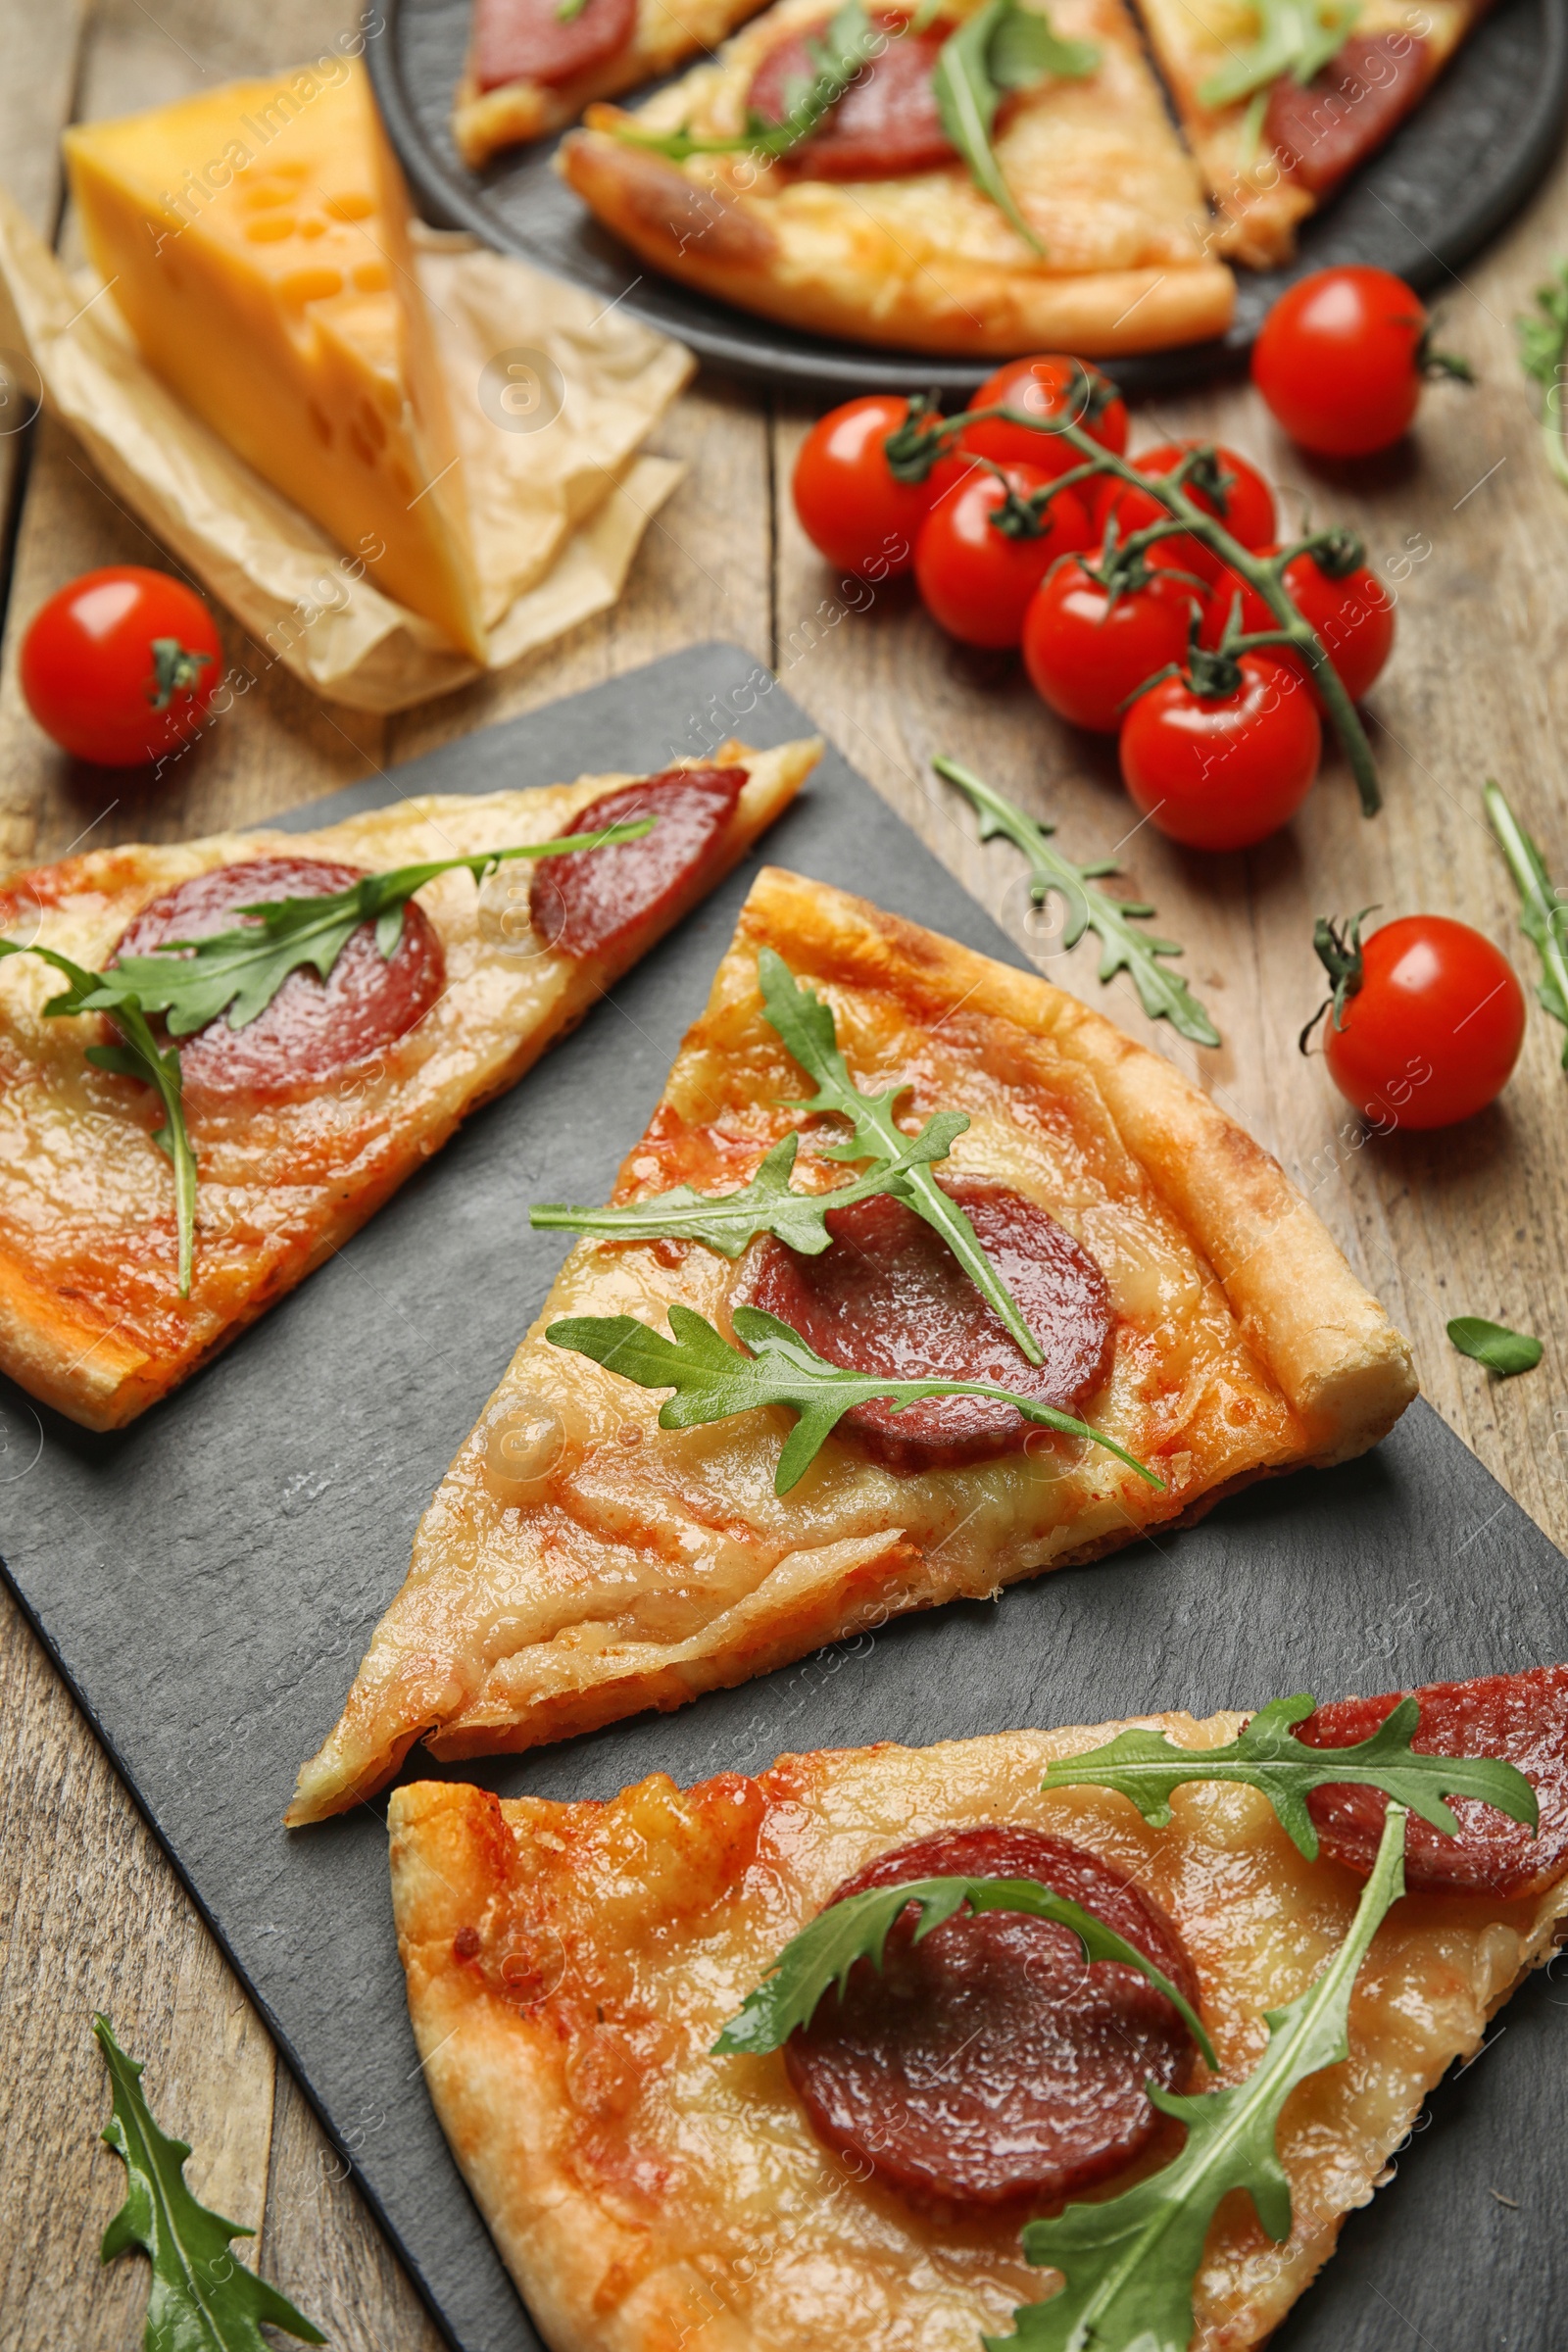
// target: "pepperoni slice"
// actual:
[[1322, 129], [313, 1030], [887, 121], [889, 1295], [987, 2063], [584, 902], [530, 41], [1520, 1717]]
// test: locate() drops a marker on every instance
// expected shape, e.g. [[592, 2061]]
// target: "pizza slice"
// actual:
[[1179, 1990], [534, 65], [986, 179], [1280, 101], [354, 994], [856, 1428]]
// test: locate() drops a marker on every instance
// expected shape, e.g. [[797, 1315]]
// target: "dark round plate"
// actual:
[[1444, 182]]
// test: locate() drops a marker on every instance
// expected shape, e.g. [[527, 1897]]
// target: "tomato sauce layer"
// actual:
[[886, 124], [532, 40], [889, 1296], [988, 2063], [583, 903], [314, 1030], [1522, 1718]]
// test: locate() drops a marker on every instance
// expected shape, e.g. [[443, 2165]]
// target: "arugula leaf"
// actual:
[[850, 43], [727, 1221], [1297, 38], [1163, 994], [1146, 1767], [806, 1027], [191, 981], [1494, 1345], [823, 1953], [202, 2299], [1542, 911], [1001, 47], [137, 1056], [1543, 354], [712, 1380], [1128, 2265]]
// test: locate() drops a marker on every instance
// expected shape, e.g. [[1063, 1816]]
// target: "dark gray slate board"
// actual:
[[1445, 183], [207, 1586]]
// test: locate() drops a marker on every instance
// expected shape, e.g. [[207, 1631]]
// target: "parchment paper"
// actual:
[[552, 398]]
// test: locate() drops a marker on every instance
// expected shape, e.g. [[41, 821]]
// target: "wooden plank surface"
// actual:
[[1470, 528]]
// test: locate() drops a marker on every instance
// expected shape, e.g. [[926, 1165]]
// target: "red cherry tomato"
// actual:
[[1222, 772], [1087, 650], [977, 579], [119, 666], [1248, 514], [1340, 360], [1046, 386], [1354, 616], [1433, 1030], [851, 506]]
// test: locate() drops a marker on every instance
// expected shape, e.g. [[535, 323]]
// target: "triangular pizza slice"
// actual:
[[1172, 2006], [1282, 99], [984, 179], [186, 1130], [1183, 1321]]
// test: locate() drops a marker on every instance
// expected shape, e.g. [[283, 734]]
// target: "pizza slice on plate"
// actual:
[[534, 65], [326, 1036], [1281, 100], [1171, 2007], [1106, 1311], [980, 179]]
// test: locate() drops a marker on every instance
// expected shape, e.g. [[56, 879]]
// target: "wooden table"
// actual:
[[1465, 521]]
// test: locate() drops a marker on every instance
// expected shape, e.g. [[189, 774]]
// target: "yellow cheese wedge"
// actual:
[[256, 240]]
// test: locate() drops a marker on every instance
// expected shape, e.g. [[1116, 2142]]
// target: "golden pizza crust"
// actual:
[[484, 121], [926, 261], [569, 1966], [90, 1320], [1261, 205], [646, 1565]]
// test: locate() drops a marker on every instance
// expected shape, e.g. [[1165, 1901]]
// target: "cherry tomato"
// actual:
[[1433, 1030], [119, 666], [1046, 386], [1354, 616], [1339, 361], [852, 506], [1222, 772], [1088, 651], [977, 579], [1248, 514]]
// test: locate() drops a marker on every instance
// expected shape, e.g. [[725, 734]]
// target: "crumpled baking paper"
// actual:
[[551, 400]]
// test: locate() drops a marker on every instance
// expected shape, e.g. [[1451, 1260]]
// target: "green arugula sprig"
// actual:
[[1502, 1351], [137, 1056], [774, 1365], [1001, 47], [1163, 995], [1128, 2265], [1543, 354], [900, 1164], [851, 41], [191, 981], [1146, 1767], [825, 1952], [202, 2301], [1297, 38], [1543, 911]]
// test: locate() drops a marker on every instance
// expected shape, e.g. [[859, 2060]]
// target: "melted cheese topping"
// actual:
[[646, 2194], [642, 1565], [87, 1244]]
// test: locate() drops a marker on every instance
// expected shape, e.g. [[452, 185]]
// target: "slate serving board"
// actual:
[[208, 1581], [1446, 181]]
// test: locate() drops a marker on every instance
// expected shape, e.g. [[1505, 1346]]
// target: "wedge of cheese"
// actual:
[[255, 241]]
